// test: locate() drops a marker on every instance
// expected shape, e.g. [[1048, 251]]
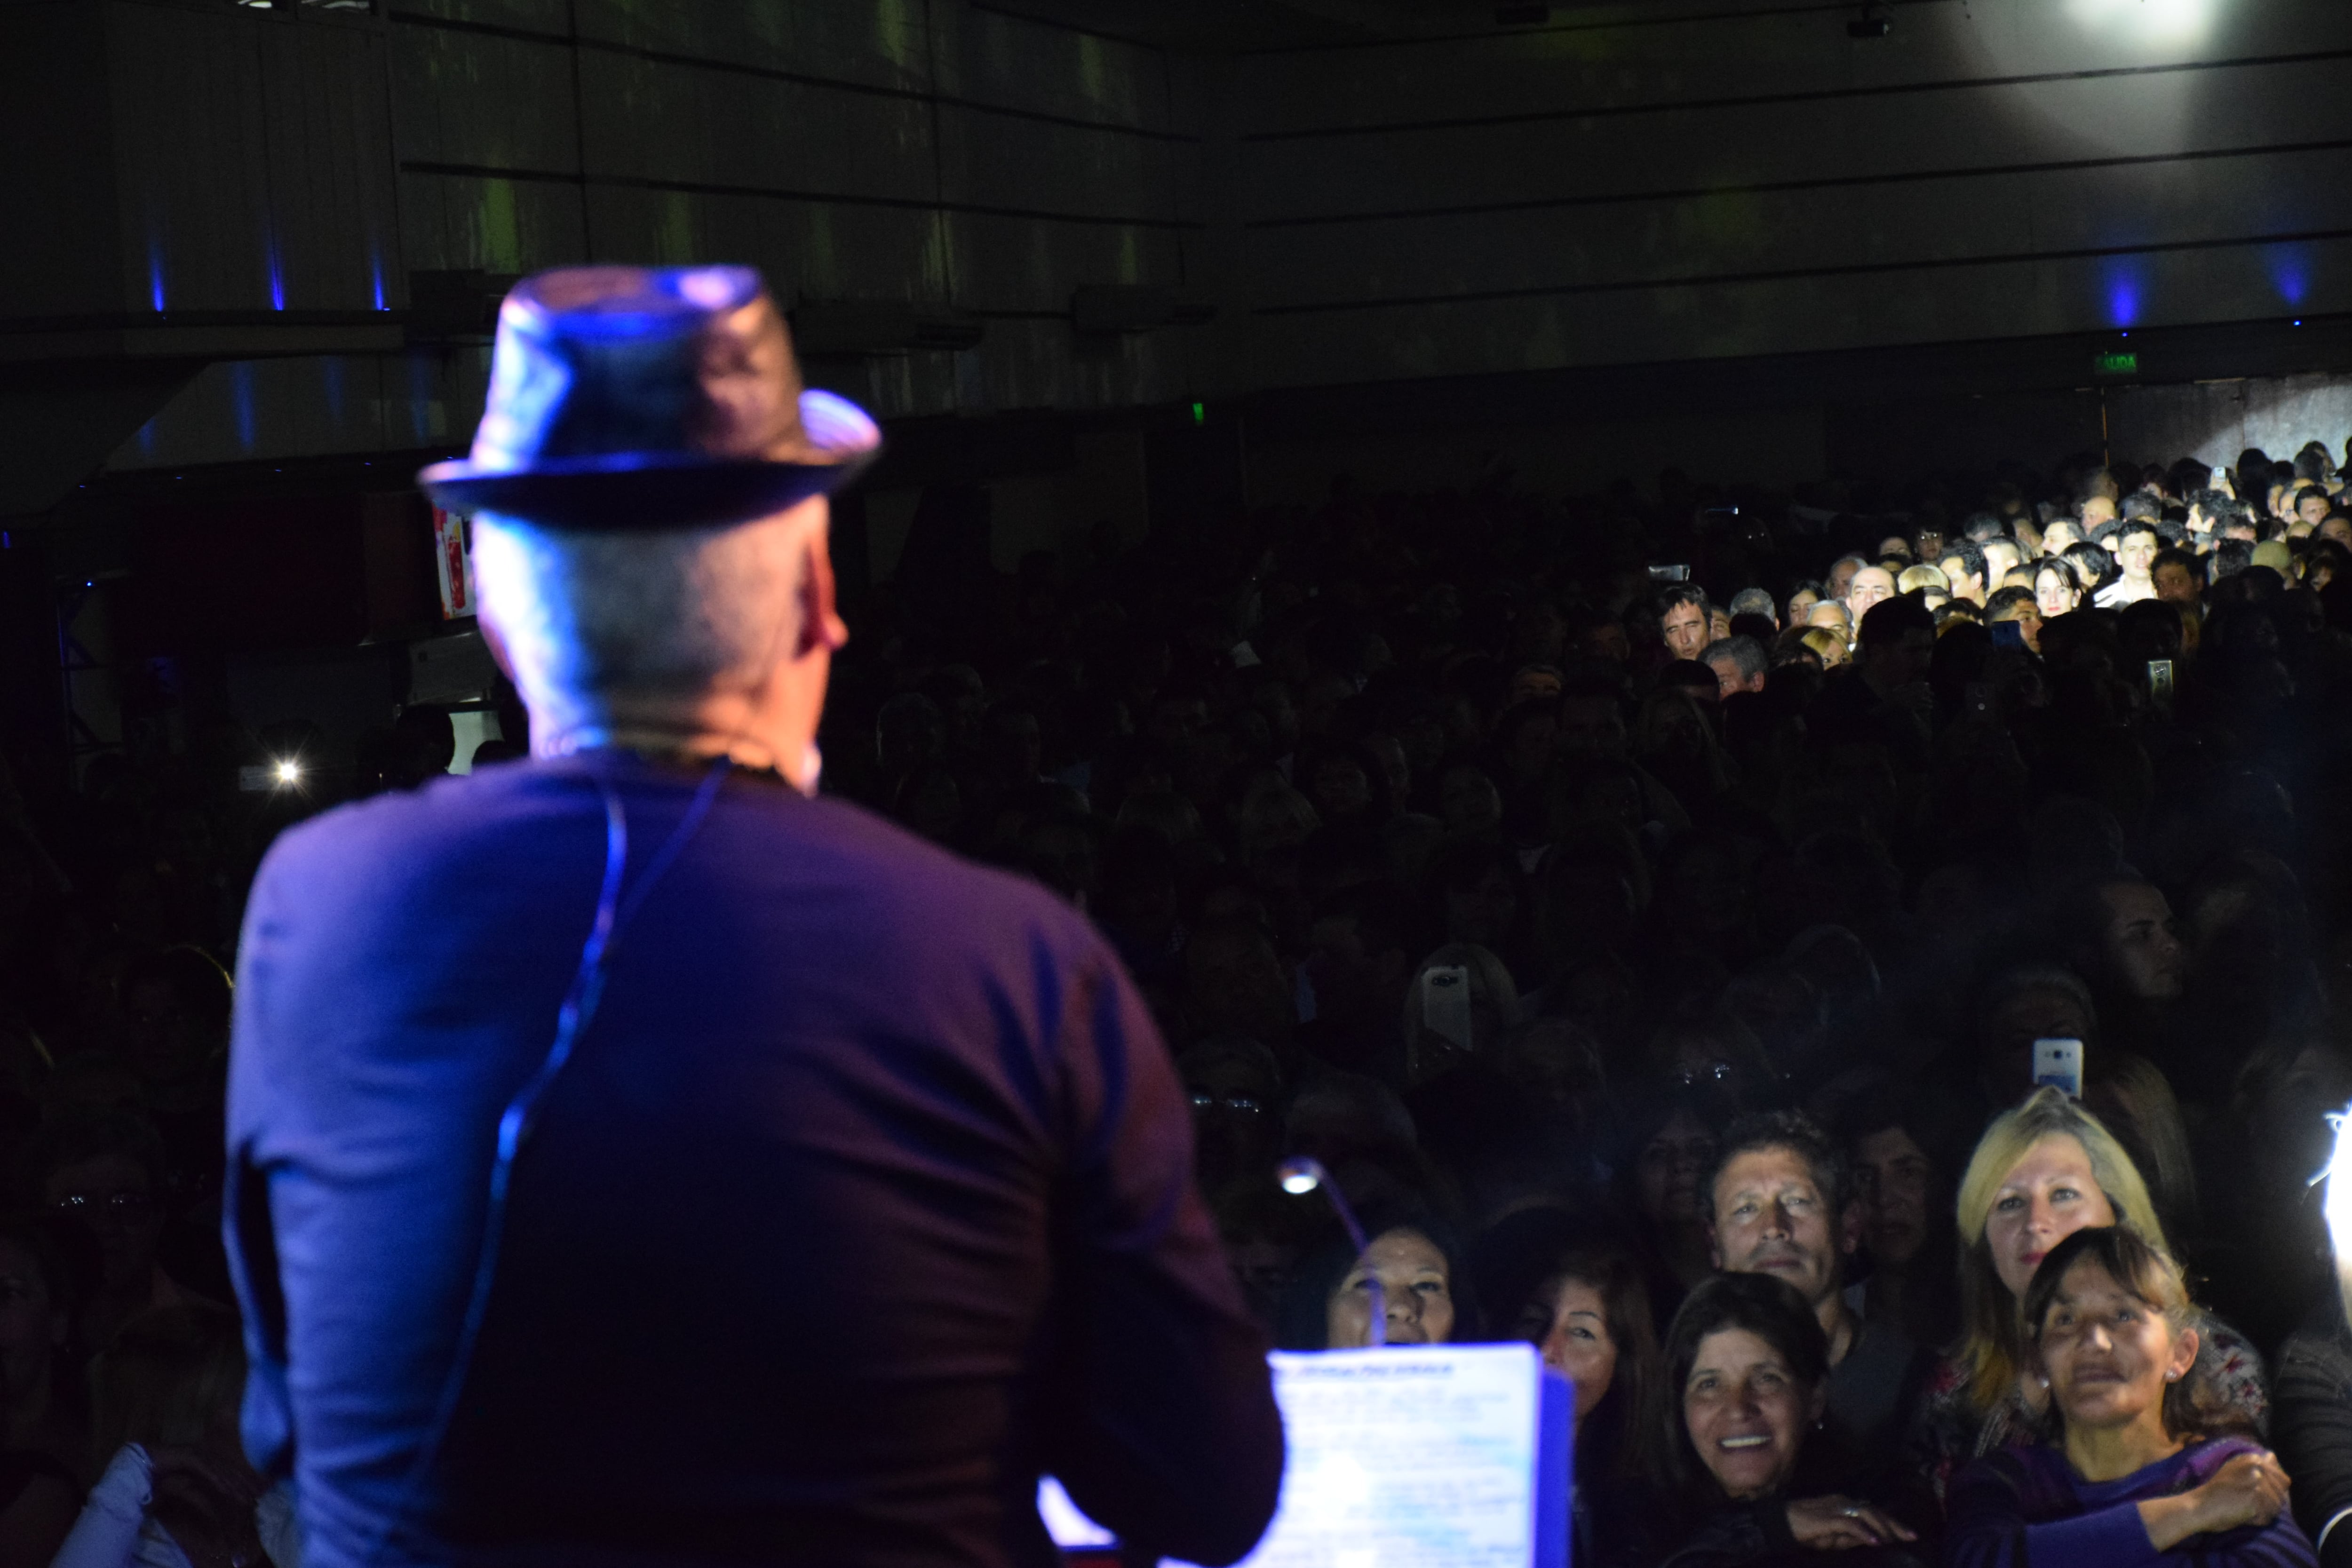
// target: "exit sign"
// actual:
[[2117, 362]]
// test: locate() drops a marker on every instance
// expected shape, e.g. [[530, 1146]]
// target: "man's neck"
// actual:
[[754, 747]]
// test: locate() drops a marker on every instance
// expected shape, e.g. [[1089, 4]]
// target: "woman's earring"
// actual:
[[2172, 1377]]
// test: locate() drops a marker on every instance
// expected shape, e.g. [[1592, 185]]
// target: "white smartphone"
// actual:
[[1445, 1002], [2059, 1063]]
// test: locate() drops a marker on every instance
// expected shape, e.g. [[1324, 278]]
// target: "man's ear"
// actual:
[[821, 622], [487, 625]]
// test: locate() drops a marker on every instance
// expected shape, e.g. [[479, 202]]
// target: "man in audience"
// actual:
[[2136, 545], [2017, 604], [1964, 569], [1756, 602], [1871, 585], [2174, 575], [2001, 557], [1841, 575], [1738, 664], [1776, 1205], [1683, 620]]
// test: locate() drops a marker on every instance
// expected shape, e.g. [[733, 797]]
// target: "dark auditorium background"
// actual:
[[1308, 422]]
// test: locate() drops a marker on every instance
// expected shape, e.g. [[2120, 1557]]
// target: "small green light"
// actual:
[[1200, 414], [2117, 362]]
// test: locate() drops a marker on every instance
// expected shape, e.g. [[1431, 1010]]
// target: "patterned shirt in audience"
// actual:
[[1951, 1431]]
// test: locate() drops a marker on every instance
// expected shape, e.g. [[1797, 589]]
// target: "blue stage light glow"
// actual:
[[2123, 299], [155, 275], [2290, 273], [375, 277]]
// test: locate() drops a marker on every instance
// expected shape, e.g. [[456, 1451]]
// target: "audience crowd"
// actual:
[[1647, 906]]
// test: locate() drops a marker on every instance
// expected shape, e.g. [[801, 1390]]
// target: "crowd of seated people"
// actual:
[[1648, 910], [1646, 907]]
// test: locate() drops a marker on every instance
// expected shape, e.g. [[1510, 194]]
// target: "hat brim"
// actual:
[[643, 491]]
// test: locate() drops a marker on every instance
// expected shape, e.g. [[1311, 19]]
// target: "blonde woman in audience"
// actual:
[[2039, 1173]]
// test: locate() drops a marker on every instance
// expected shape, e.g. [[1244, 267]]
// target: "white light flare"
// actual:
[[2148, 21], [289, 771], [2337, 1204]]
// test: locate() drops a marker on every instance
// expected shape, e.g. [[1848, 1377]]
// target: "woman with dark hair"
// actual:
[[1747, 1379], [2056, 590], [1591, 1318], [1424, 1290], [2153, 1462], [1668, 1143], [2093, 568]]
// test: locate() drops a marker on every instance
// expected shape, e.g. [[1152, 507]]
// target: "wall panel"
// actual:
[[1688, 179]]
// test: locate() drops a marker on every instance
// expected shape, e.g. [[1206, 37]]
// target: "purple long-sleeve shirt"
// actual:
[[2026, 1508], [867, 1196]]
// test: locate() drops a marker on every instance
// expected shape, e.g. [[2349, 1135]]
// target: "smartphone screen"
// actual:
[[2059, 1064], [2008, 633], [2159, 680], [1670, 573]]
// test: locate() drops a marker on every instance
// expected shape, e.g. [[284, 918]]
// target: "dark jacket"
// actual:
[[865, 1197], [1757, 1535], [2311, 1428]]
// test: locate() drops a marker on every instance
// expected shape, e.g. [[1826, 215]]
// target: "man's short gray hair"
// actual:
[[1746, 654], [608, 626]]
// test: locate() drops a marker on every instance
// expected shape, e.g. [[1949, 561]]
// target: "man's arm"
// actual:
[[247, 1231], [2311, 1423], [1165, 1427]]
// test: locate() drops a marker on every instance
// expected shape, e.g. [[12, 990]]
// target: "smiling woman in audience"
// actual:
[[2152, 1464], [1747, 1380]]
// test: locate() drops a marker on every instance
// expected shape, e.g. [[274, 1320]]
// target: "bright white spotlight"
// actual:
[[289, 771], [1299, 1177], [2148, 21], [2337, 1204]]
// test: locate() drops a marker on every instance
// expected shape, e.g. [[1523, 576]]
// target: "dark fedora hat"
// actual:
[[633, 397]]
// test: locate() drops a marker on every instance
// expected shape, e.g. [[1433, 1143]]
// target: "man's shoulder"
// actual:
[[412, 831], [902, 872], [504, 809]]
